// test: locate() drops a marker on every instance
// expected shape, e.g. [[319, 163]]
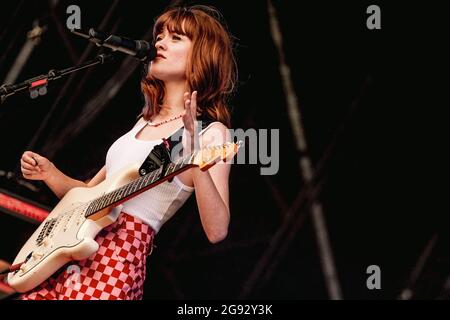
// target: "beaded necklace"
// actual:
[[163, 122]]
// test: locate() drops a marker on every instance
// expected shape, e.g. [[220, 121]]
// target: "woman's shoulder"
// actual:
[[217, 131], [208, 122]]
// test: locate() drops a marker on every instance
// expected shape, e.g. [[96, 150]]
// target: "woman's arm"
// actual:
[[37, 167], [60, 183], [211, 188]]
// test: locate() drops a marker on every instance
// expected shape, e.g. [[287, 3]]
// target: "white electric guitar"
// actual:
[[69, 231]]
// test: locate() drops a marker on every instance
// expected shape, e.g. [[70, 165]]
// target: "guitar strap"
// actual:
[[160, 155]]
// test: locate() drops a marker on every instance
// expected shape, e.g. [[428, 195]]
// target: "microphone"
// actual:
[[139, 49]]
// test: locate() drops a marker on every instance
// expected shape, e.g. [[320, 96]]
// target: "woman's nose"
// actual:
[[160, 45]]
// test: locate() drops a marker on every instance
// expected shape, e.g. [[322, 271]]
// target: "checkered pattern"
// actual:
[[116, 271]]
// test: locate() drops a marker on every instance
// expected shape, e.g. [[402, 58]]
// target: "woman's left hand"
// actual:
[[190, 134]]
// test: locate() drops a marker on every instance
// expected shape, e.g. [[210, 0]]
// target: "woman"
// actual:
[[190, 79]]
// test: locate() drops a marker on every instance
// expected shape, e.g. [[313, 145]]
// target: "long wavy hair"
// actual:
[[211, 68]]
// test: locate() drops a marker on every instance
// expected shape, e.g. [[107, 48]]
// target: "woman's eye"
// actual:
[[175, 37]]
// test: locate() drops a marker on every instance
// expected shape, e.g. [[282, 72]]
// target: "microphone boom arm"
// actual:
[[38, 85]]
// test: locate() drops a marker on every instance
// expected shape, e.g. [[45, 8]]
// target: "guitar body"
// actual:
[[66, 234], [69, 231]]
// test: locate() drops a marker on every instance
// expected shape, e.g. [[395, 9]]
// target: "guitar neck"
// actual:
[[141, 184]]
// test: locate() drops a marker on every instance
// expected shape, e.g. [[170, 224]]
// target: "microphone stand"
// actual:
[[38, 85]]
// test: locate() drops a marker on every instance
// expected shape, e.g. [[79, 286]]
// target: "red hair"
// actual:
[[211, 69]]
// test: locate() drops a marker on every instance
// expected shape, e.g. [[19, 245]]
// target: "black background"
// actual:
[[366, 93]]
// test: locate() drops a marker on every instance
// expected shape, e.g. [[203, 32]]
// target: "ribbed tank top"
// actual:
[[158, 204]]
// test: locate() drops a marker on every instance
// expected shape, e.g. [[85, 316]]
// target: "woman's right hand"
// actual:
[[34, 166]]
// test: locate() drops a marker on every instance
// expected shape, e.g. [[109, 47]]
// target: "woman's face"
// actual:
[[172, 57]]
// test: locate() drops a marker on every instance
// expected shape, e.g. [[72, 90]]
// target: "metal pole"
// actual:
[[325, 252]]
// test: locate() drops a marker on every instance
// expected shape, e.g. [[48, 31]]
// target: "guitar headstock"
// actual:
[[208, 156]]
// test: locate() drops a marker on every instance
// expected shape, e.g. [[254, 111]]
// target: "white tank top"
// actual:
[[156, 205]]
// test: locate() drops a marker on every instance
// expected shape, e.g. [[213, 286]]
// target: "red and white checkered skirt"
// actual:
[[115, 272]]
